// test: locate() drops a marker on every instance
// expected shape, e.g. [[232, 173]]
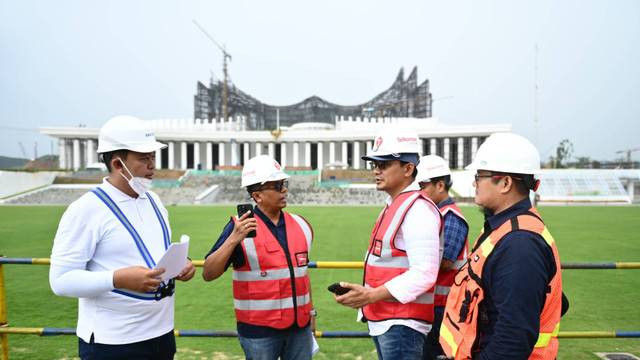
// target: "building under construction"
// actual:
[[404, 99]]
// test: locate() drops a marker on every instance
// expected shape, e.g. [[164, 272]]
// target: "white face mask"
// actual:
[[139, 184]]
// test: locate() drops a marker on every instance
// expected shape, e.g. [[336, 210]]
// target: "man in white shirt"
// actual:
[[106, 248], [401, 265]]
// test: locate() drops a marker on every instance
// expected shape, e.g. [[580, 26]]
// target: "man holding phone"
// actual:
[[271, 290], [403, 257]]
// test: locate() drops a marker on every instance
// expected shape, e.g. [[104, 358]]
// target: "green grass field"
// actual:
[[600, 299]]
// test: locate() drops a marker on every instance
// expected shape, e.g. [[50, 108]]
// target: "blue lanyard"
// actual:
[[148, 259]]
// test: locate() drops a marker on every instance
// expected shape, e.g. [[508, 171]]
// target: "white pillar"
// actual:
[[172, 155], [283, 154], [234, 153], [320, 158], [158, 159], [91, 151], [345, 152], [432, 146], [445, 151], [76, 154], [460, 163], [296, 157], [332, 152], [221, 154], [356, 155], [196, 155], [62, 153], [272, 150], [307, 154], [183, 155], [369, 145], [474, 147], [247, 152], [258, 149], [209, 155]]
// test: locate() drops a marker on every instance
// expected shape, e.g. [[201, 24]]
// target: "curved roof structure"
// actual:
[[404, 98]]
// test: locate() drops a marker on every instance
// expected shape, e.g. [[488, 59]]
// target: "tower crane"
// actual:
[[225, 56]]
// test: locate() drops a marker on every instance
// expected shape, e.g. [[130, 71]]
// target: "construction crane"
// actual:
[[24, 152], [225, 56], [628, 152]]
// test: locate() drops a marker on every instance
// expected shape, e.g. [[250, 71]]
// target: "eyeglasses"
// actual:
[[278, 186], [382, 165], [493, 176]]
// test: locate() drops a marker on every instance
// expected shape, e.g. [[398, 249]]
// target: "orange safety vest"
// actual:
[[272, 288], [459, 327], [445, 278], [384, 262]]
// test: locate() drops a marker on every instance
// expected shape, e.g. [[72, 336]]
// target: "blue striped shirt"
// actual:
[[455, 232]]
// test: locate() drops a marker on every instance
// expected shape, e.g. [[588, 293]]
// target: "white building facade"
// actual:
[[215, 144]]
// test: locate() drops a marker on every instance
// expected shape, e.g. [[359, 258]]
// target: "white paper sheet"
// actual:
[[174, 259]]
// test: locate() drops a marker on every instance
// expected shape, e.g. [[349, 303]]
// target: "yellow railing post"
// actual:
[[4, 338]]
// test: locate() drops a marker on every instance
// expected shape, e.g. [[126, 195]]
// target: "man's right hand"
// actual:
[[242, 226], [137, 278]]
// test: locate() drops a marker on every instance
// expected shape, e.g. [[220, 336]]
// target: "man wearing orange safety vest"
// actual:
[[403, 257], [271, 291], [434, 178], [506, 301]]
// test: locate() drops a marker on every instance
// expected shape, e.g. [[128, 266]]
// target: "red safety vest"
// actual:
[[445, 278], [272, 288], [459, 327], [384, 262]]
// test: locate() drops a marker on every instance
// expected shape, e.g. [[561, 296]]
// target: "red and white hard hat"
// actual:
[[508, 153], [395, 143], [432, 166], [127, 133], [261, 169]]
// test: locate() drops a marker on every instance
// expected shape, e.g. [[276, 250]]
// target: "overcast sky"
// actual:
[[64, 63]]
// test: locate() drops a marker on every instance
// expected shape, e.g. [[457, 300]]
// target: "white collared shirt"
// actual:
[[419, 236], [90, 244]]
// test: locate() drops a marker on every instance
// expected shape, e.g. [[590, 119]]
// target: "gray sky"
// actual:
[[63, 63]]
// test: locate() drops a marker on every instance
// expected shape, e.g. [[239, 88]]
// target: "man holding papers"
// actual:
[[106, 248], [271, 291]]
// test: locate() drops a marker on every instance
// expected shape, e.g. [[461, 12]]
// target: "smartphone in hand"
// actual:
[[242, 209], [337, 289]]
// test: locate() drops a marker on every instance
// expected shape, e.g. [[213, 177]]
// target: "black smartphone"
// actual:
[[242, 209], [337, 289]]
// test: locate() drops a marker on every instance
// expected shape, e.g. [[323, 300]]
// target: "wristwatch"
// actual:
[[313, 312]]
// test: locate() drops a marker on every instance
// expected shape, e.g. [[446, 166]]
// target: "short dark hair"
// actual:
[[446, 179], [522, 182], [108, 156]]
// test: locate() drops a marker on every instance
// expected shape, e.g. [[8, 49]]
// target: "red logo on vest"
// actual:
[[302, 258]]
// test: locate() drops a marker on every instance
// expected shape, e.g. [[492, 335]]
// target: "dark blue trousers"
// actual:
[[161, 348]]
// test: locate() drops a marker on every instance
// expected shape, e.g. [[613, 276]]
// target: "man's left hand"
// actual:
[[187, 273], [357, 297]]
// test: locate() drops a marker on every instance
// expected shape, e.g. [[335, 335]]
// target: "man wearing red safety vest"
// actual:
[[506, 301], [434, 178], [271, 291], [403, 257]]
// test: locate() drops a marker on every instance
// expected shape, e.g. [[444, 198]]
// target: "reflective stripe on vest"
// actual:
[[384, 262], [270, 304], [459, 327], [142, 249], [445, 278], [266, 290]]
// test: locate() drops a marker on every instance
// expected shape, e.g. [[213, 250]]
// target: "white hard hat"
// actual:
[[507, 152], [127, 133], [432, 166], [261, 169], [394, 143]]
